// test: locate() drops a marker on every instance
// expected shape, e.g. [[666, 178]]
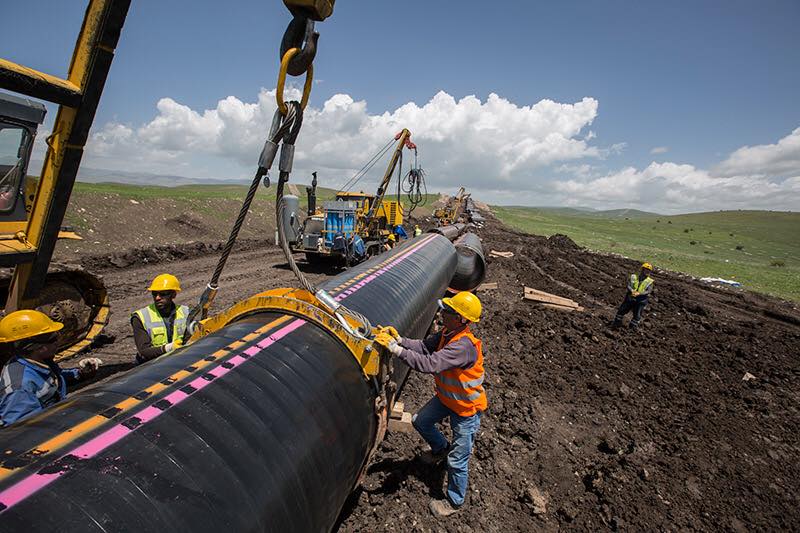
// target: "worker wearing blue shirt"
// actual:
[[31, 380]]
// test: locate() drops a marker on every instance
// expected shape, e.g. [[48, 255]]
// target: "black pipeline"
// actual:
[[265, 424]]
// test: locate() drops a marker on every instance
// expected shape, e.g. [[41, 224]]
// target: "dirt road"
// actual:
[[588, 428], [253, 266]]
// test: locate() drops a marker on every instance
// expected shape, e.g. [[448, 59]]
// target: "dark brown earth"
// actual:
[[594, 429], [588, 428]]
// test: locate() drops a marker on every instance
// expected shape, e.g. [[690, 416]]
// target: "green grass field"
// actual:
[[760, 249]]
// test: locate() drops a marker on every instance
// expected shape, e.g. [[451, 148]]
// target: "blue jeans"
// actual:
[[464, 430]]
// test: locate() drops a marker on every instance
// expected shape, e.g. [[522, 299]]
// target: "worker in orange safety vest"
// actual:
[[455, 358]]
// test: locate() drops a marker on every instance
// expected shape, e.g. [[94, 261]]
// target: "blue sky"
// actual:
[[700, 80]]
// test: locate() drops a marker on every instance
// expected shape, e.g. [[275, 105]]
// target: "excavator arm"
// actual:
[[403, 141]]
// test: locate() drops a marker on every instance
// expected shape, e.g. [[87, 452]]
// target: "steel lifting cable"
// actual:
[[280, 204], [279, 129], [367, 167]]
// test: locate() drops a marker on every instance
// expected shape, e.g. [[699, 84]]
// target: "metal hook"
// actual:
[[300, 34]]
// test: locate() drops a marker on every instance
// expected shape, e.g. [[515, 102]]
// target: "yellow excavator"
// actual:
[[67, 293], [32, 212], [451, 211]]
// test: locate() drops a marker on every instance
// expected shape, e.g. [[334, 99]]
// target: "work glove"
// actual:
[[634, 293], [88, 366], [169, 347], [388, 342], [391, 331]]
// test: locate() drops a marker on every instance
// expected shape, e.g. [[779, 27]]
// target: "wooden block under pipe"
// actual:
[[397, 410], [403, 425]]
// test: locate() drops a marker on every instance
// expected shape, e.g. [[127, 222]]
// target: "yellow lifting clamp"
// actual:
[[302, 304]]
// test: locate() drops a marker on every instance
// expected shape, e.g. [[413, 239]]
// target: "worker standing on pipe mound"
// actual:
[[160, 327], [455, 358], [31, 380]]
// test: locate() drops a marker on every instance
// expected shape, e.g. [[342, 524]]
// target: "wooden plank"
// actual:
[[541, 296], [561, 307], [403, 425], [495, 253], [487, 286]]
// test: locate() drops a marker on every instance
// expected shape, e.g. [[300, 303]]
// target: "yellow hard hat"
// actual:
[[392, 237], [648, 266], [165, 282], [26, 323], [465, 304]]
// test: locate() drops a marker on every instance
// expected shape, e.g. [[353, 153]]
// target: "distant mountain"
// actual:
[[588, 211], [99, 175], [623, 213]]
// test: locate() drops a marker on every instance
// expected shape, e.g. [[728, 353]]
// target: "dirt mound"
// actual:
[[187, 225], [151, 255], [562, 242], [591, 428]]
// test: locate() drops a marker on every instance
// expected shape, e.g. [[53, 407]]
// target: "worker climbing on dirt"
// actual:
[[160, 327], [417, 230], [639, 288], [455, 358], [31, 380]]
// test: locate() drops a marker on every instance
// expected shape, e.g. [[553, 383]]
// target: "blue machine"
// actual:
[[340, 219]]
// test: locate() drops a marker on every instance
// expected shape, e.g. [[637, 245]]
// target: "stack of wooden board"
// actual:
[[551, 301]]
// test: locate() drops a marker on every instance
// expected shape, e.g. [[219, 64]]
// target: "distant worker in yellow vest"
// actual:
[[390, 242], [639, 289], [160, 327], [455, 358], [417, 230]]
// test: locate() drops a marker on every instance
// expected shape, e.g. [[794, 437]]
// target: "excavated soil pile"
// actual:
[[690, 422]]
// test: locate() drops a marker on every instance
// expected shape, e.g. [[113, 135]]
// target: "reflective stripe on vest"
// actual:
[[156, 328], [640, 287], [461, 390]]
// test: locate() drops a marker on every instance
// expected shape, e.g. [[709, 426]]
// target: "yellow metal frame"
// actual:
[[302, 304]]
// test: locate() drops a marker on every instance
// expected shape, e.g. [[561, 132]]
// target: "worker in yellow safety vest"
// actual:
[[160, 327], [639, 289], [455, 358], [417, 230]]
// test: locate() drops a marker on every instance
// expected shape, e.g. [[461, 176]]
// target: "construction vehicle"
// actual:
[[352, 227], [68, 294], [452, 211]]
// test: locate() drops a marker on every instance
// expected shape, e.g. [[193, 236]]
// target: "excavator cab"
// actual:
[[19, 120]]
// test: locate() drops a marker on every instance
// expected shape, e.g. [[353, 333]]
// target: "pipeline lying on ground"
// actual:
[[471, 266], [264, 423]]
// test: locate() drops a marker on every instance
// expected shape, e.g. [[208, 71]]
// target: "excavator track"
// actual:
[[74, 297]]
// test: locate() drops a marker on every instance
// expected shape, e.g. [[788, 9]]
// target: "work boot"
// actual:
[[430, 458], [442, 508], [616, 323]]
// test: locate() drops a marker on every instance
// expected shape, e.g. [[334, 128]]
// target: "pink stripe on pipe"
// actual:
[[100, 442], [27, 486], [177, 396], [32, 483]]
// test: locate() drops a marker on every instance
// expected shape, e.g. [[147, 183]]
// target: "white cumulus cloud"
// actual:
[[463, 141], [539, 154]]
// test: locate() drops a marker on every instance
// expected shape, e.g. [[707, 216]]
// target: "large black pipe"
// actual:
[[471, 267], [262, 425]]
